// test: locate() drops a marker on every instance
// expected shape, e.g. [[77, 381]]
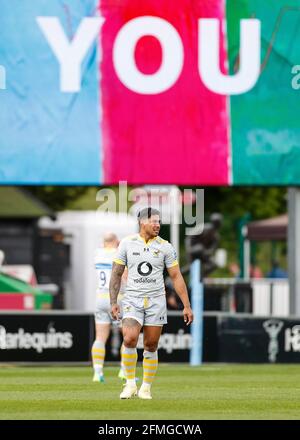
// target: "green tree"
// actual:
[[235, 202], [58, 197]]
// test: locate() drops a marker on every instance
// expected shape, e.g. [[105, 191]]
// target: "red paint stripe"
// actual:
[[179, 136]]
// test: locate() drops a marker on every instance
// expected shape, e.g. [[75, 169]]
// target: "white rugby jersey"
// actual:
[[103, 264], [145, 263]]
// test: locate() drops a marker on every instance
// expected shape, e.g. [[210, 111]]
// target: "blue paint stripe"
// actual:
[[47, 136]]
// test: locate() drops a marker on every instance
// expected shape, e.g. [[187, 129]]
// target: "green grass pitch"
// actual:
[[179, 392]]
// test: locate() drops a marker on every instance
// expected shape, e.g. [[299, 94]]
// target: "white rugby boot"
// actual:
[[145, 392], [129, 391], [98, 377]]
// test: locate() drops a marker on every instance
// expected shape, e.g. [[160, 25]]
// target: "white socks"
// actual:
[[150, 364], [98, 356], [129, 359]]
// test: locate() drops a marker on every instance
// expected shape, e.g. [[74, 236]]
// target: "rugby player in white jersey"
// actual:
[[103, 264], [144, 304]]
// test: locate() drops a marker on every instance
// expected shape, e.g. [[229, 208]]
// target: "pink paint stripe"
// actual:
[[178, 136]]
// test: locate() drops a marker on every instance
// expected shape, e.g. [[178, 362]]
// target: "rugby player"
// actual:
[[103, 264], [144, 304]]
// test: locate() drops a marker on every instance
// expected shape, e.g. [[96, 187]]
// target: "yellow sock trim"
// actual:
[[129, 364], [149, 374], [98, 350], [150, 361], [129, 356]]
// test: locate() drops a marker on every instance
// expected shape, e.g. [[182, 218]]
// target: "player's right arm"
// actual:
[[118, 268], [114, 288]]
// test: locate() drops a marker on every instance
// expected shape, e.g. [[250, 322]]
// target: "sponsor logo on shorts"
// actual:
[[144, 268]]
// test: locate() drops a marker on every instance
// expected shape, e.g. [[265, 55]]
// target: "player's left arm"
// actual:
[[181, 290]]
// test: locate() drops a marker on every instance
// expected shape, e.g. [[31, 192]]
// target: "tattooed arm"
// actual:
[[115, 282], [114, 288]]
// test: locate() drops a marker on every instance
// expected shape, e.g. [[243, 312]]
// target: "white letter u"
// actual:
[[209, 65]]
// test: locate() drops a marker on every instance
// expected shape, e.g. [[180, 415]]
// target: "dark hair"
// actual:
[[147, 213]]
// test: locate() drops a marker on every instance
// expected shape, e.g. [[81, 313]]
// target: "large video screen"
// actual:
[[97, 92]]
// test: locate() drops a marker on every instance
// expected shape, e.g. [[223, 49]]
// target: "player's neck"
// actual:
[[146, 237]]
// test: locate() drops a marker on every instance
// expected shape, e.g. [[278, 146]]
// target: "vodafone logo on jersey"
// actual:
[[144, 268]]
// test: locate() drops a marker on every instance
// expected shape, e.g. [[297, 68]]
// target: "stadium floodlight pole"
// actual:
[[196, 286]]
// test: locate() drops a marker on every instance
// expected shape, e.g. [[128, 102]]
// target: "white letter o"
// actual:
[[172, 55]]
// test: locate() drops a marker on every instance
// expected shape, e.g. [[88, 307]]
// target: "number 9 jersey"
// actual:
[[103, 264], [103, 260]]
